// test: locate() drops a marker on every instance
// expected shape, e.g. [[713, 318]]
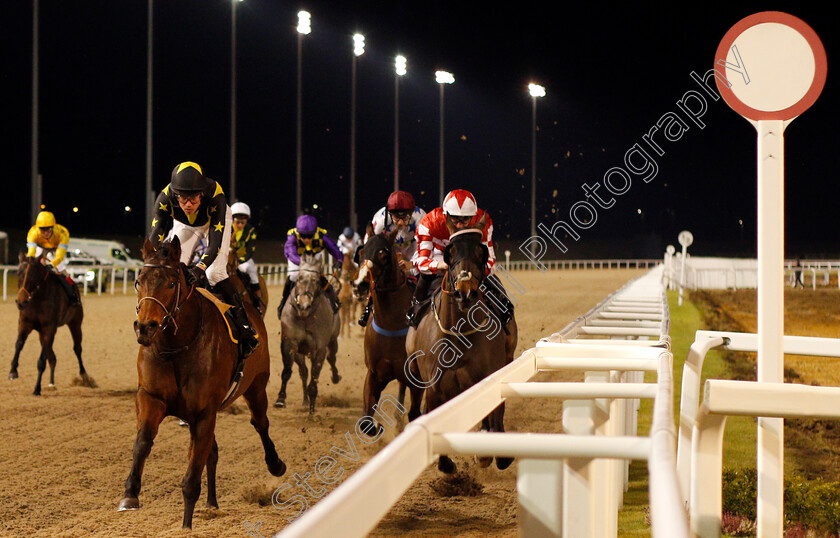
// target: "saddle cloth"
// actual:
[[221, 307]]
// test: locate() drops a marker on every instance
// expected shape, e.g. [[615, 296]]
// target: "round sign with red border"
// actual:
[[774, 64]]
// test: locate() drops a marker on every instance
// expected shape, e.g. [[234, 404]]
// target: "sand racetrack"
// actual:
[[64, 456]]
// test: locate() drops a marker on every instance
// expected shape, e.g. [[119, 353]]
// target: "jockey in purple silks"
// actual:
[[307, 238]]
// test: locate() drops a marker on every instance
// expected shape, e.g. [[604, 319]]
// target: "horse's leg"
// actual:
[[312, 389], [434, 399], [401, 393], [416, 399], [300, 360], [212, 460], [285, 350], [150, 412], [486, 426], [47, 338], [497, 424], [373, 390], [258, 403], [201, 443], [23, 332], [332, 351], [75, 326]]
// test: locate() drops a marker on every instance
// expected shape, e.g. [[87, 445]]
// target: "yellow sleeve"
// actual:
[[63, 242], [32, 241]]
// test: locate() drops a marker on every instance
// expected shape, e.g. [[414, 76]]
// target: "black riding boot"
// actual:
[[70, 288], [287, 289], [247, 335], [366, 312], [418, 300], [254, 292], [329, 291]]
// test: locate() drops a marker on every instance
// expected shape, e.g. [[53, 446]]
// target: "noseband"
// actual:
[[37, 285], [169, 316]]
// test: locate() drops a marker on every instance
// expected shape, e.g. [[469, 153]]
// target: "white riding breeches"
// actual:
[[194, 240], [250, 269], [50, 255], [292, 268]]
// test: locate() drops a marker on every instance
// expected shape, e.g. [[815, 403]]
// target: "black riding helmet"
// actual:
[[187, 179]]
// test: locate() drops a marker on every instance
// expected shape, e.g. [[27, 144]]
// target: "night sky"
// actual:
[[610, 73]]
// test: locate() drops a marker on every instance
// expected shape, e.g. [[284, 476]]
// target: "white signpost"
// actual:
[[669, 265], [772, 67], [685, 239]]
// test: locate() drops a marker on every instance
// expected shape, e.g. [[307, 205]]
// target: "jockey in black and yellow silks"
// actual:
[[194, 208], [244, 244]]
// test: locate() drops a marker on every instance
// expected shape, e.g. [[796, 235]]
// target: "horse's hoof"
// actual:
[[503, 463], [277, 468], [13, 375], [128, 503], [183, 423], [51, 386], [484, 461], [279, 403], [211, 505], [446, 465], [336, 378], [36, 392]]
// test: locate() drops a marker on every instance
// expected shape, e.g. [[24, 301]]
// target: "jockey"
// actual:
[[193, 207], [307, 238], [349, 241], [460, 211], [244, 241], [400, 213], [48, 237]]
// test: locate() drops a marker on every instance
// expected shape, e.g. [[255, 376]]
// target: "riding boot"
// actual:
[[366, 312], [329, 291], [256, 297], [70, 289], [248, 338], [287, 289], [418, 300]]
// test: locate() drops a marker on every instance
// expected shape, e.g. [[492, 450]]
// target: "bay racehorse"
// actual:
[[382, 278], [45, 306], [308, 327], [349, 302], [184, 368], [461, 340]]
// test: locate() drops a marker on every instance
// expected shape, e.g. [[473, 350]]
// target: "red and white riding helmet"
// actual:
[[460, 203]]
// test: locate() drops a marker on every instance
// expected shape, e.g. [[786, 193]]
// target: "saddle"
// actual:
[[223, 309]]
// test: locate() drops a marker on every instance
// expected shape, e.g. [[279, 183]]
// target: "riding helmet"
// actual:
[[460, 203], [306, 224], [348, 232], [401, 201], [187, 177], [45, 219], [240, 208]]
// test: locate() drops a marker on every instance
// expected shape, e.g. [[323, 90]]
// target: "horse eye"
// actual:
[[171, 284]]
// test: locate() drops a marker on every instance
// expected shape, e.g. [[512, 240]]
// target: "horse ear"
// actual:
[[446, 253], [357, 256], [369, 230], [147, 249], [485, 254], [392, 235], [175, 249], [21, 256], [481, 222], [449, 225]]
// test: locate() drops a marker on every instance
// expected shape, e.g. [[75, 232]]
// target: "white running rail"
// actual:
[[569, 484]]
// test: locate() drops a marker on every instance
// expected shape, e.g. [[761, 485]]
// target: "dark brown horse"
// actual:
[[44, 306], [460, 341], [240, 281], [184, 369], [381, 277]]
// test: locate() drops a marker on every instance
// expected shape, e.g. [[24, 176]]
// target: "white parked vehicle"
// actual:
[[109, 252], [80, 267]]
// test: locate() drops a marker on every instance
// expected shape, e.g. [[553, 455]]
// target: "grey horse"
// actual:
[[308, 328]]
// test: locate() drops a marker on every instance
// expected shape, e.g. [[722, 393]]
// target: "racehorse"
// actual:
[[349, 302], [185, 365], [308, 327], [44, 306], [381, 277], [241, 282], [461, 339]]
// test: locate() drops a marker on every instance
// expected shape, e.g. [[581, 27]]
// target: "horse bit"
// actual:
[[168, 316]]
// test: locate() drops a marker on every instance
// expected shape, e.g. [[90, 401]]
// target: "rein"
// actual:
[[465, 275]]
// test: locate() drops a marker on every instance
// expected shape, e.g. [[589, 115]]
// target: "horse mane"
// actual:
[[309, 263]]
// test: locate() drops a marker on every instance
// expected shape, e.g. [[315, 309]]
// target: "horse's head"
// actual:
[[32, 273], [378, 265], [466, 257], [159, 288]]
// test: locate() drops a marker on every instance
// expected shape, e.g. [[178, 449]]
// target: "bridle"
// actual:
[[38, 284], [375, 283], [169, 315]]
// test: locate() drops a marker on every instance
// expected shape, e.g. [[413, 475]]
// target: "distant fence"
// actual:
[[739, 273]]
